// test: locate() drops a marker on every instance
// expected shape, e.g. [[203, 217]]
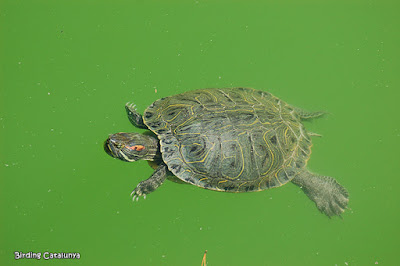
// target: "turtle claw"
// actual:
[[137, 193], [136, 197], [133, 116], [130, 106]]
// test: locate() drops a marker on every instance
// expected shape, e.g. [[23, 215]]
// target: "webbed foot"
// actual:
[[332, 199], [329, 196]]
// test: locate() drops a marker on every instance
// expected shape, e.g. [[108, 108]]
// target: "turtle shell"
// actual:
[[233, 139]]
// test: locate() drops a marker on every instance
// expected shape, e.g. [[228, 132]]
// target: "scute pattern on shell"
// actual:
[[233, 139]]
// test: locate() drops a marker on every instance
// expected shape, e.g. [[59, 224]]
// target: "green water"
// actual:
[[67, 69]]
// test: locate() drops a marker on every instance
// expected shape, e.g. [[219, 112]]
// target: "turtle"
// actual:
[[226, 139]]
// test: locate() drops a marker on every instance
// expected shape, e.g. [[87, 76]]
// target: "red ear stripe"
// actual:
[[136, 147]]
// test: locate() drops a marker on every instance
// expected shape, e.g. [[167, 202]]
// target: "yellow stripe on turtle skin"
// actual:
[[220, 182], [241, 185], [272, 103], [272, 153], [240, 110], [176, 158], [205, 156], [174, 117], [223, 105], [191, 144], [226, 95], [165, 126], [180, 125], [259, 184], [215, 98], [245, 99], [251, 92], [276, 176], [174, 105], [247, 125], [177, 146], [222, 128], [309, 156], [181, 134], [224, 157], [277, 122], [241, 152], [185, 162], [204, 178], [286, 138], [196, 98], [255, 151]]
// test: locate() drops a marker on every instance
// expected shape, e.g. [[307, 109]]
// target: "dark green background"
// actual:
[[68, 68]]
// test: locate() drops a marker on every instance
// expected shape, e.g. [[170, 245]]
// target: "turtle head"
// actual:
[[130, 147]]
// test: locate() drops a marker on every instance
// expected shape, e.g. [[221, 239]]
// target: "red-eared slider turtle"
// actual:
[[233, 140]]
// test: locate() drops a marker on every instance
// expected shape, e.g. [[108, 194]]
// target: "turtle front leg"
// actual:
[[152, 183], [135, 118]]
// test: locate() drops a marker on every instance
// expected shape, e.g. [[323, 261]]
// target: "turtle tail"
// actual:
[[305, 115]]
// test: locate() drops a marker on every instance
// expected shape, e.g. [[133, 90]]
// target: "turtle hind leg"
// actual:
[[329, 196], [134, 117], [304, 114], [152, 183]]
